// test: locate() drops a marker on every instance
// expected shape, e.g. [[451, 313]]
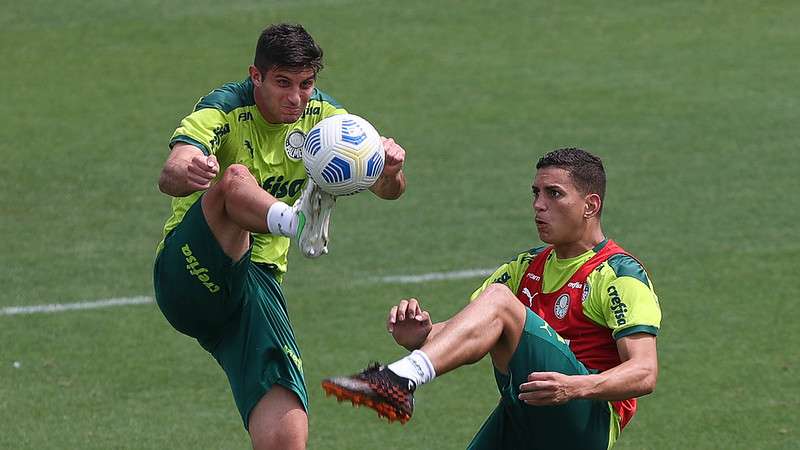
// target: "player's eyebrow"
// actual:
[[556, 187]]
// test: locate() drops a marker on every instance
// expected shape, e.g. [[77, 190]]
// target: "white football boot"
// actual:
[[314, 208]]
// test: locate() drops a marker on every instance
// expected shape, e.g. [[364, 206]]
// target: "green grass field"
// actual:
[[692, 105]]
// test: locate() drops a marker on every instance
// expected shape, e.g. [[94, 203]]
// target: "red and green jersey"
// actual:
[[591, 300], [227, 123]]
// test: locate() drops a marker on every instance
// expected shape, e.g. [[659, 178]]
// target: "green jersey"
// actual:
[[227, 123]]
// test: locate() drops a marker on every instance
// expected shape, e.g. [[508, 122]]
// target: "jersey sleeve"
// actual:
[[626, 303], [205, 128], [509, 274]]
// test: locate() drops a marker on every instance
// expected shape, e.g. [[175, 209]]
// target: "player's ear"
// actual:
[[592, 205], [255, 75]]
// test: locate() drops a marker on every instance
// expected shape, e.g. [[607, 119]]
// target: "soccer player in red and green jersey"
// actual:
[[240, 192], [571, 328]]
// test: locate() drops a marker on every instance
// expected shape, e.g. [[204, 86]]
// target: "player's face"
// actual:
[[558, 207], [282, 94]]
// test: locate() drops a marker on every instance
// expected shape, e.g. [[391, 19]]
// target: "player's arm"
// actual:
[[187, 170], [630, 308], [392, 182], [634, 377]]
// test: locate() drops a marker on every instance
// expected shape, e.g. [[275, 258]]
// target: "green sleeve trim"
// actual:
[[600, 246], [636, 329], [626, 266], [188, 140], [323, 97], [527, 257], [228, 97]]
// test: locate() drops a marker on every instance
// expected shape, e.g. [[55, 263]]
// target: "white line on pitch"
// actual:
[[107, 303], [435, 276], [59, 307]]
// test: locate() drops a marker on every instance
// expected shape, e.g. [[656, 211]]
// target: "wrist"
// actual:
[[584, 386]]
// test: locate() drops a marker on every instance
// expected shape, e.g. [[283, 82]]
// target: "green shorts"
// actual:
[[235, 310], [578, 424]]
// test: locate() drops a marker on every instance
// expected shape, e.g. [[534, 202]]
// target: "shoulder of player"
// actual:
[[523, 259], [228, 97], [319, 96], [527, 256], [623, 265], [514, 268]]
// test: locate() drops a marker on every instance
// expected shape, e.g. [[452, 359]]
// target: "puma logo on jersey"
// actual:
[[534, 277], [530, 297], [249, 148]]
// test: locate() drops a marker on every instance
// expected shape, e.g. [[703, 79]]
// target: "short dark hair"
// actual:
[[585, 169], [287, 46]]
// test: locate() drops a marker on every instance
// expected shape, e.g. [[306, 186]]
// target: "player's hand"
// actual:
[[547, 389], [409, 324], [201, 170], [394, 159]]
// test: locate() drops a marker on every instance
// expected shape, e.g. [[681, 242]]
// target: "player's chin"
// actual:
[[549, 238], [291, 116]]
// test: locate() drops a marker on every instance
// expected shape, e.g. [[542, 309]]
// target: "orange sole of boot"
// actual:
[[383, 409]]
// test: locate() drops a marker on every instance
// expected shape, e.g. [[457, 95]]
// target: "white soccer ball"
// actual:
[[343, 154]]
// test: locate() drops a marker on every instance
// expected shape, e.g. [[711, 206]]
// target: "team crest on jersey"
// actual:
[[586, 290], [562, 306], [294, 144]]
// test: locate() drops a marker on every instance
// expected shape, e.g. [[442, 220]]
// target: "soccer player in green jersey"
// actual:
[[571, 328], [240, 193]]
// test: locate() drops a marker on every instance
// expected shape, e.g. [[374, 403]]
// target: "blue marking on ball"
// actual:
[[314, 142], [352, 133], [375, 165], [337, 171]]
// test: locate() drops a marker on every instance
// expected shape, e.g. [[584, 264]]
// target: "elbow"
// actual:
[[391, 195], [167, 186], [648, 385], [163, 184], [387, 194]]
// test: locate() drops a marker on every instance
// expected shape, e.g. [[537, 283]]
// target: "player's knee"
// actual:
[[236, 175], [498, 293], [283, 439], [278, 421], [502, 299]]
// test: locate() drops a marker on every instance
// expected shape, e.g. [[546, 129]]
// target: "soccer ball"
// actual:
[[343, 154]]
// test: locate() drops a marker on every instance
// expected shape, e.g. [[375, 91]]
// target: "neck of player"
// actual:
[[586, 241]]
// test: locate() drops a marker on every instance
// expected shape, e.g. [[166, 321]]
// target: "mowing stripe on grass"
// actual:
[[109, 302]]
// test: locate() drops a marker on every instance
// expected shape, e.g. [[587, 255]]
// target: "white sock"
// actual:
[[417, 367], [282, 220]]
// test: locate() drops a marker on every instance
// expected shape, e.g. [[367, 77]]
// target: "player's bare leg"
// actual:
[[278, 421], [237, 205], [234, 207], [491, 324]]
